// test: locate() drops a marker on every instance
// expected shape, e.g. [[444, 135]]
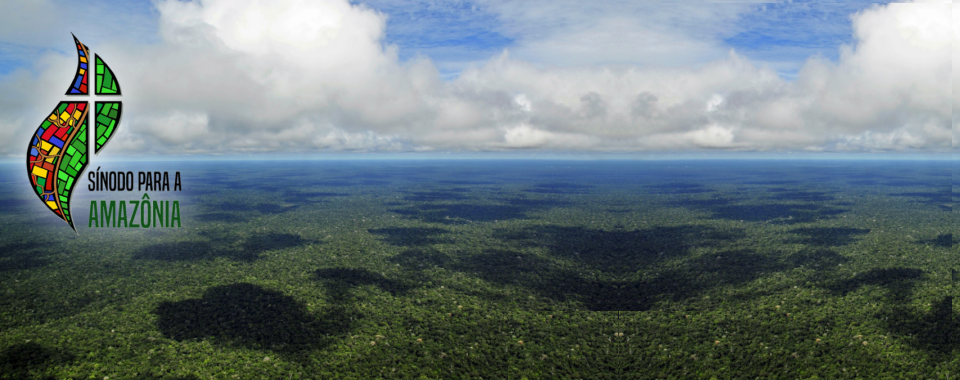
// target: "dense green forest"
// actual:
[[495, 270]]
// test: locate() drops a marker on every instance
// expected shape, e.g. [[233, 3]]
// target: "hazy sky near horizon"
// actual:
[[388, 76]]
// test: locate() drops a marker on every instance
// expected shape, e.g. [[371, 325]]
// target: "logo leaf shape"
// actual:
[[58, 152]]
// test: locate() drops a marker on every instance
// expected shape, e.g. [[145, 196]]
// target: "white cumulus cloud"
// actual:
[[296, 76]]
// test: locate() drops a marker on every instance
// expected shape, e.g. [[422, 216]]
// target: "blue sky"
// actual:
[[791, 32], [23, 42], [453, 33]]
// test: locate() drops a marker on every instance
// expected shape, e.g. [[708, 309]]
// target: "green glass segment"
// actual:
[[71, 166], [106, 82], [107, 119]]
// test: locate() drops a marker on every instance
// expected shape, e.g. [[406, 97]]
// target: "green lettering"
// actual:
[[158, 214], [145, 223], [133, 217], [175, 214], [93, 215], [107, 214], [122, 214]]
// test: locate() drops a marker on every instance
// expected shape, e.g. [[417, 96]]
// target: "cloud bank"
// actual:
[[298, 76]]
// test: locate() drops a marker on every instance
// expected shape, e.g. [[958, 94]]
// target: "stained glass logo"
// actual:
[[59, 151]]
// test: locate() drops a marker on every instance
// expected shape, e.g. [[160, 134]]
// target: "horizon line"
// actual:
[[544, 156]]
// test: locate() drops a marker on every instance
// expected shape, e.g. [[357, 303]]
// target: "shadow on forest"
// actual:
[[780, 213], [828, 236], [24, 255], [339, 281], [238, 212], [907, 182], [327, 183], [772, 182], [816, 258], [941, 199], [634, 270], [251, 182], [619, 251], [410, 236], [374, 182], [13, 205], [679, 188], [21, 360], [227, 246], [39, 304], [266, 208], [435, 196], [898, 282], [461, 213], [515, 208], [942, 241], [560, 188], [625, 271], [251, 316], [467, 182], [618, 255], [543, 277], [307, 197], [223, 217], [536, 204], [785, 194], [936, 331], [241, 212]]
